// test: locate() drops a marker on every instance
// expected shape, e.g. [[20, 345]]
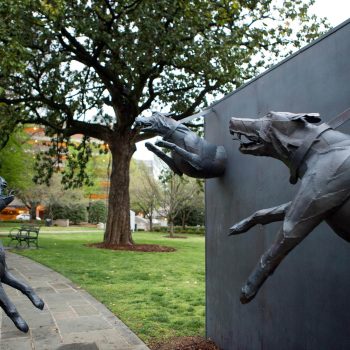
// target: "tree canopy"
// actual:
[[91, 67]]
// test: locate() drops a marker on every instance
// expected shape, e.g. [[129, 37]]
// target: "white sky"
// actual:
[[336, 11]]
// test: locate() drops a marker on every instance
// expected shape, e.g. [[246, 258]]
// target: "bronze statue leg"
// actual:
[[12, 281], [11, 311], [189, 157], [308, 209], [262, 217], [169, 161]]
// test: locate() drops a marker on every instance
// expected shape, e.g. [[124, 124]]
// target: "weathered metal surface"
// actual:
[[190, 154], [306, 304], [8, 278]]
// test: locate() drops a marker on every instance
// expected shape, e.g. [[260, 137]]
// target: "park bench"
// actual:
[[27, 234]]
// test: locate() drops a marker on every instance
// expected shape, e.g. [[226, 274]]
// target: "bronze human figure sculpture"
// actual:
[[190, 154], [7, 278], [322, 155]]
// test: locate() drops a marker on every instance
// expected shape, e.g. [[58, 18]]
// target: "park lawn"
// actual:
[[158, 295]]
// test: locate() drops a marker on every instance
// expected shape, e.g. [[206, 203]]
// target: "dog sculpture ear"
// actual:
[[307, 117]]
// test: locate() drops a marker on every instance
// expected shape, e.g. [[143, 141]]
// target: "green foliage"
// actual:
[[76, 213], [62, 61], [157, 295], [97, 212], [193, 214], [16, 162]]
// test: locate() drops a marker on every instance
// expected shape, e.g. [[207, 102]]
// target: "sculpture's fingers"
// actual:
[[149, 146], [11, 311], [12, 281], [165, 144]]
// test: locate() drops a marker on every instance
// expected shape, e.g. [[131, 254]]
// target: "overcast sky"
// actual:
[[336, 11]]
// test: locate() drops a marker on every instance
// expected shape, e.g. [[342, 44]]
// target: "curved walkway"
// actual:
[[71, 320]]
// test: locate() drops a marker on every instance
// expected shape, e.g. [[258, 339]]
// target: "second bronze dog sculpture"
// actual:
[[190, 154], [324, 192]]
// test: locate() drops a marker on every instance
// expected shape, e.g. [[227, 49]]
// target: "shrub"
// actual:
[[97, 212], [76, 213]]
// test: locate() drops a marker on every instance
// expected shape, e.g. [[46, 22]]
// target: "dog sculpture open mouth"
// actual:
[[144, 126], [247, 142]]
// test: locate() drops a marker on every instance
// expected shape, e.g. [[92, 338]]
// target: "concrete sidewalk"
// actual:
[[71, 319]]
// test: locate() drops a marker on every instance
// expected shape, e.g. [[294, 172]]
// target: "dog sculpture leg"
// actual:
[[6, 304], [263, 217], [308, 209], [12, 281], [12, 312], [169, 161], [191, 158]]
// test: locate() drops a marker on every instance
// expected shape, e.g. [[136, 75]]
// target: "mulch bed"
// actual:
[[147, 248], [186, 343]]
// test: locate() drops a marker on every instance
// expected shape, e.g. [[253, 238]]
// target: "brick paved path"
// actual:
[[71, 320]]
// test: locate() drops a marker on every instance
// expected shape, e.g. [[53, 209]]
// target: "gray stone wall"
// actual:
[[306, 303]]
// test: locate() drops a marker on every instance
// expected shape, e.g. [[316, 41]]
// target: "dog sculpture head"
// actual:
[[157, 123], [275, 135]]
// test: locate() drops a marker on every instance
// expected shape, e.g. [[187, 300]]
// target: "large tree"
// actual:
[[92, 67]]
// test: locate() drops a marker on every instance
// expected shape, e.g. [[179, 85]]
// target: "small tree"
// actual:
[[144, 192], [177, 192], [194, 207]]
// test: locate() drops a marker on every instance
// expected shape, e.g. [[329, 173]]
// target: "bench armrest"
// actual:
[[14, 232]]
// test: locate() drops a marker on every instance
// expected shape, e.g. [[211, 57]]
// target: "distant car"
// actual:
[[23, 217]]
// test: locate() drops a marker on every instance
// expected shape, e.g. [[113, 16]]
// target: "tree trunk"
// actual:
[[183, 220], [151, 223], [118, 219], [171, 229], [150, 217], [32, 210]]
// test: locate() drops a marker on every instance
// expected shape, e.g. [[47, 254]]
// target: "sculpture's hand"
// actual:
[[166, 144]]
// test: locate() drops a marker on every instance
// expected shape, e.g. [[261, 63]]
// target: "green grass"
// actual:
[[158, 295]]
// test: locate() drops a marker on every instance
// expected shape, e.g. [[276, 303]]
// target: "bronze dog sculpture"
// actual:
[[7, 277], [324, 171], [190, 154]]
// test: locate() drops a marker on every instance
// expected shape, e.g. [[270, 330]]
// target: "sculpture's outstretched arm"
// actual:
[[169, 161], [191, 158], [263, 217]]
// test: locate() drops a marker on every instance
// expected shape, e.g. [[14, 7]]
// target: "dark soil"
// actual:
[[147, 248], [186, 343]]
